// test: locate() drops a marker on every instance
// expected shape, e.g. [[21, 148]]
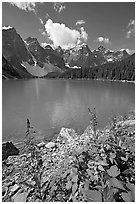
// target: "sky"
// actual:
[[111, 24]]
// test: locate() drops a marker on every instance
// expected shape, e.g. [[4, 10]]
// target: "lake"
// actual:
[[51, 104]]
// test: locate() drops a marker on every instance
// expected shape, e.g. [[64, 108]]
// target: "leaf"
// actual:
[[113, 171], [75, 178], [127, 197], [66, 173], [110, 195], [86, 185], [127, 171], [116, 183], [93, 195], [101, 168], [90, 172], [124, 159], [112, 155], [111, 159], [80, 150], [69, 185], [74, 188], [20, 197], [132, 188], [93, 150], [103, 162]]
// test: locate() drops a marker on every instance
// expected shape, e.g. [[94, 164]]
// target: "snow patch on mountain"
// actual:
[[6, 27], [40, 72]]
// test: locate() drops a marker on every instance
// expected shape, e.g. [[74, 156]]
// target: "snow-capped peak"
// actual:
[[6, 27]]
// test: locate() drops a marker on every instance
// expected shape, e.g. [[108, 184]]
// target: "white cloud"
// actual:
[[83, 36], [63, 36], [103, 40], [130, 29], [58, 6], [80, 22], [26, 6]]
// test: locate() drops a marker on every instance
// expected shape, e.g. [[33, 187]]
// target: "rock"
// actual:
[[42, 144], [4, 191], [20, 197], [128, 123], [14, 188], [50, 145], [8, 149], [67, 134], [88, 132]]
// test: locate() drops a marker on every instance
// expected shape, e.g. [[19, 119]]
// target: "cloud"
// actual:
[[26, 6], [130, 29], [103, 40], [80, 22], [58, 6], [83, 36], [63, 36]]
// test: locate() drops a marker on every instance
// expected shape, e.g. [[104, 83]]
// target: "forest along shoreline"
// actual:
[[95, 166]]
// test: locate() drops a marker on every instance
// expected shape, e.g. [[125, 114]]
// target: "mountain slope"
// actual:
[[28, 58], [14, 51], [44, 55], [119, 70], [8, 72], [12, 72], [81, 56]]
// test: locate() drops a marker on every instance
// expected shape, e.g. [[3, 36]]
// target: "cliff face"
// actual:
[[81, 56], [43, 55], [28, 58], [15, 52], [13, 72]]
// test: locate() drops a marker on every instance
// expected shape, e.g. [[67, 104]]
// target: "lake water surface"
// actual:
[[51, 104]]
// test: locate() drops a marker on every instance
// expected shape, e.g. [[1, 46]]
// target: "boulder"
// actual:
[[42, 144], [67, 134], [8, 149], [128, 123], [50, 145]]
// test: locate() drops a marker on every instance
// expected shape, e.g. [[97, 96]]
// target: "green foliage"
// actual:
[[97, 166], [93, 119], [100, 172], [120, 70], [35, 160]]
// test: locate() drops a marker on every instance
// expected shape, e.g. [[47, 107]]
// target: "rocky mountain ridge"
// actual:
[[82, 56], [32, 60], [28, 56]]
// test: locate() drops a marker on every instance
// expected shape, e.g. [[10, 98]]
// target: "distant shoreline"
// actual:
[[87, 79]]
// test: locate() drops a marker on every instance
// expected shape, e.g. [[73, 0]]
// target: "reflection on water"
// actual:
[[56, 103]]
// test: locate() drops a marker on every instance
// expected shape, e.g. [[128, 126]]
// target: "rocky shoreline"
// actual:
[[93, 166]]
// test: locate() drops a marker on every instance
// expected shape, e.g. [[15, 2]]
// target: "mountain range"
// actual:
[[26, 58]]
